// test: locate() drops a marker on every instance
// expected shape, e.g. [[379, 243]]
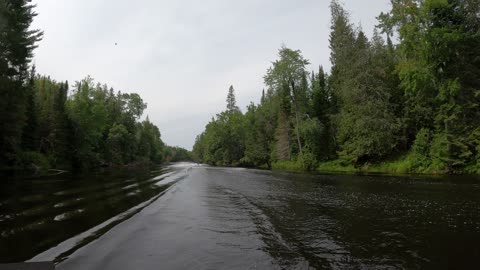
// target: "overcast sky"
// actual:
[[181, 56]]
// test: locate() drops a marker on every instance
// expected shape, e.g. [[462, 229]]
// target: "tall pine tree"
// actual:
[[17, 42]]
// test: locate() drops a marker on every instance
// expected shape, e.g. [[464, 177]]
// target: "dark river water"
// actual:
[[186, 216]]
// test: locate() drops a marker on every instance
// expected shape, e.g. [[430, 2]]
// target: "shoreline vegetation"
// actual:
[[47, 124], [401, 166], [404, 101], [40, 165]]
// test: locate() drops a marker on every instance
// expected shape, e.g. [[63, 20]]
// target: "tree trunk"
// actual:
[[282, 138], [294, 100]]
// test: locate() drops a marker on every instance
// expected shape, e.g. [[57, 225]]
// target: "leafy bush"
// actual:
[[312, 131], [33, 160], [421, 146], [439, 152], [338, 165], [287, 165], [307, 161]]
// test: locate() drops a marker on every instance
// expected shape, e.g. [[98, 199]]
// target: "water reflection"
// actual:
[[38, 213]]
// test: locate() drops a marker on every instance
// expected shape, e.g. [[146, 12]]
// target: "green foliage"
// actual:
[[312, 132], [257, 139], [304, 162], [322, 108], [198, 151], [92, 127], [30, 129], [231, 100], [176, 154], [223, 142], [149, 143], [53, 133], [421, 146], [17, 42], [439, 151], [409, 107], [287, 165], [336, 166], [42, 126], [117, 143], [474, 138], [287, 80], [365, 123], [33, 160], [307, 160], [439, 57], [366, 133], [88, 113]]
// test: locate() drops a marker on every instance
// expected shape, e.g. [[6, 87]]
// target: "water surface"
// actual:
[[227, 218], [37, 213]]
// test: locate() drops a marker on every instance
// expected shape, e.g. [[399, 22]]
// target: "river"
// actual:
[[188, 216]]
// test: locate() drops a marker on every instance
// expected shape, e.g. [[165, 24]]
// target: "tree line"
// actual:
[[46, 123], [408, 105]]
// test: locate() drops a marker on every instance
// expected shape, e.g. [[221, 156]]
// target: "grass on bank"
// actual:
[[406, 164]]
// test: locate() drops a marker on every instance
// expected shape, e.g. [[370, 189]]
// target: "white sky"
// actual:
[[181, 56]]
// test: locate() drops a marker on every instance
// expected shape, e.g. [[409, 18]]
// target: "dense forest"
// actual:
[[405, 100], [48, 124]]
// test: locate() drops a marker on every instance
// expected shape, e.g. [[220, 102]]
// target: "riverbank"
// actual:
[[42, 167], [406, 164]]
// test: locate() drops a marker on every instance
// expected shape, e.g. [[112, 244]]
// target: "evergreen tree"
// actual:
[[440, 77], [231, 101], [322, 110], [60, 133], [30, 130], [17, 43], [365, 125]]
